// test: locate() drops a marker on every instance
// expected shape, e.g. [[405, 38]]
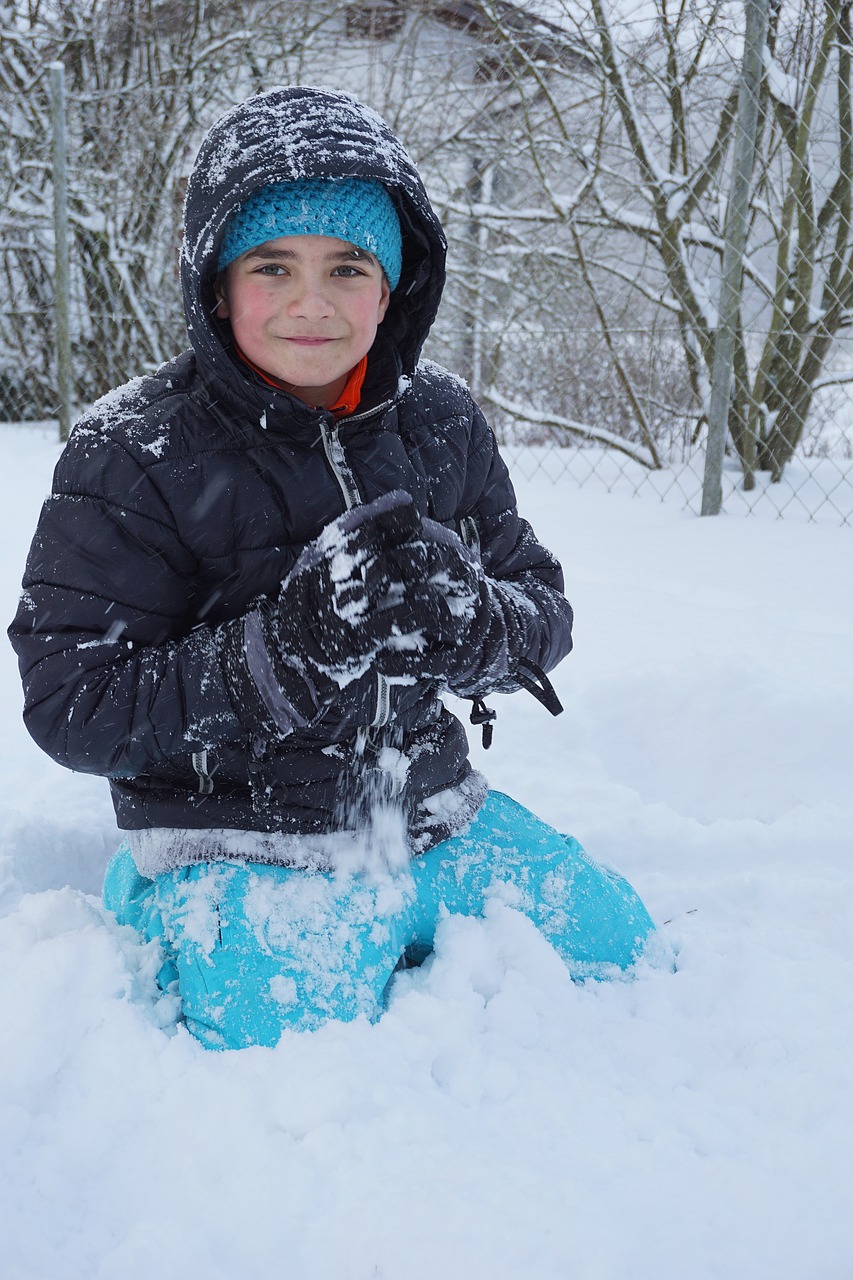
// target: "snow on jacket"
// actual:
[[185, 496]]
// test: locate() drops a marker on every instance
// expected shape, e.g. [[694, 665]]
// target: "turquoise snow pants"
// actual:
[[258, 949]]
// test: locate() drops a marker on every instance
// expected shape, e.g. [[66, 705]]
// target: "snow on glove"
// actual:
[[286, 661], [467, 626], [441, 582]]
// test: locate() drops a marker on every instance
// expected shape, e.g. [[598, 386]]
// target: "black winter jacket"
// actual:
[[185, 496]]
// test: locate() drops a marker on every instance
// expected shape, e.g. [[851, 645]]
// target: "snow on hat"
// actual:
[[358, 210]]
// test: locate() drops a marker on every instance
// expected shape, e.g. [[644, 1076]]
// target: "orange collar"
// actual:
[[350, 398], [346, 403]]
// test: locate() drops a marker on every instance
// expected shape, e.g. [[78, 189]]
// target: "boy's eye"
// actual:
[[348, 270], [271, 269]]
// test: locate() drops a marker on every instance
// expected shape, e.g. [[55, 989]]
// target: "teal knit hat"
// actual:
[[355, 209]]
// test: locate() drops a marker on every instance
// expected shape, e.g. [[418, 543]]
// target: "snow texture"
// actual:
[[498, 1121], [782, 86]]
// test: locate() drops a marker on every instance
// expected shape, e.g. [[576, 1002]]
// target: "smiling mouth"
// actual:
[[308, 342]]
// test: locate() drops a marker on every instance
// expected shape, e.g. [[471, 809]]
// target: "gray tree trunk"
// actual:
[[737, 214]]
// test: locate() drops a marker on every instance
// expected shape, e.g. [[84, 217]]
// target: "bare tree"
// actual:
[[799, 286]]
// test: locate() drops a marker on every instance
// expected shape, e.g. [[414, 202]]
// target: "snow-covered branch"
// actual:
[[531, 417]]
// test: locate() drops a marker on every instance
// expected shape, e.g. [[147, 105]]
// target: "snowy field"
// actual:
[[498, 1123]]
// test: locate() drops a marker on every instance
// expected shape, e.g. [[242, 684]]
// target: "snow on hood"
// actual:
[[303, 132]]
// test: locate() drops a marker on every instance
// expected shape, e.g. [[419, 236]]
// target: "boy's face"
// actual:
[[305, 309]]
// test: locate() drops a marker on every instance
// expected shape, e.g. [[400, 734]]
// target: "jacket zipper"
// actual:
[[336, 459], [383, 703]]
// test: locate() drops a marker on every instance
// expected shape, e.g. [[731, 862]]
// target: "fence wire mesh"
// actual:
[[581, 163]]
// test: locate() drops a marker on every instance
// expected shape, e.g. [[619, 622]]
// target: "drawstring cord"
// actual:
[[532, 678], [539, 685]]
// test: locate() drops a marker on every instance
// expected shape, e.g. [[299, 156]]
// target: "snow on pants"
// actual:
[[258, 949]]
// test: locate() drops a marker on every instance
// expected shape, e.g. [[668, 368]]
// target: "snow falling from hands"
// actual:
[[421, 575], [371, 804], [435, 588], [351, 593]]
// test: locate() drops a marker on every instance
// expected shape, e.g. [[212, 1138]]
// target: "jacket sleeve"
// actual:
[[533, 618], [115, 676]]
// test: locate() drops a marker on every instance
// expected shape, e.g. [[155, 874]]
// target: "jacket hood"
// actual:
[[303, 132]]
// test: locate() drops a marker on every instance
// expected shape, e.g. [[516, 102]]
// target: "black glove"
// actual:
[[466, 631], [463, 627], [287, 660]]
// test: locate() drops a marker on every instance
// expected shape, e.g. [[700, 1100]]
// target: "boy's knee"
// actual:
[[234, 996], [591, 915], [232, 999], [264, 950]]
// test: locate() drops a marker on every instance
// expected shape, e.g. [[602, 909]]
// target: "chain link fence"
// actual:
[[584, 279]]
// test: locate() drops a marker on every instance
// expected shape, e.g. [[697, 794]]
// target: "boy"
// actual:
[[256, 572]]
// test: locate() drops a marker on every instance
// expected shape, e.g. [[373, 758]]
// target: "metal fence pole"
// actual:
[[64, 379], [737, 214]]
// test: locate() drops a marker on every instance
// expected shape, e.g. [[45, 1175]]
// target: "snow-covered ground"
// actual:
[[498, 1121]]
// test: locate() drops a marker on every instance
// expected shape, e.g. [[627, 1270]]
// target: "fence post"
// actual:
[[61, 288], [737, 214]]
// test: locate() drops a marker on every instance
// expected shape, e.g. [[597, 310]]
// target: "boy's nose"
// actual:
[[312, 302]]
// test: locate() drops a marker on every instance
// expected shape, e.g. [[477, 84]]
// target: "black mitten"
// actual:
[[287, 660], [466, 631], [463, 627]]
